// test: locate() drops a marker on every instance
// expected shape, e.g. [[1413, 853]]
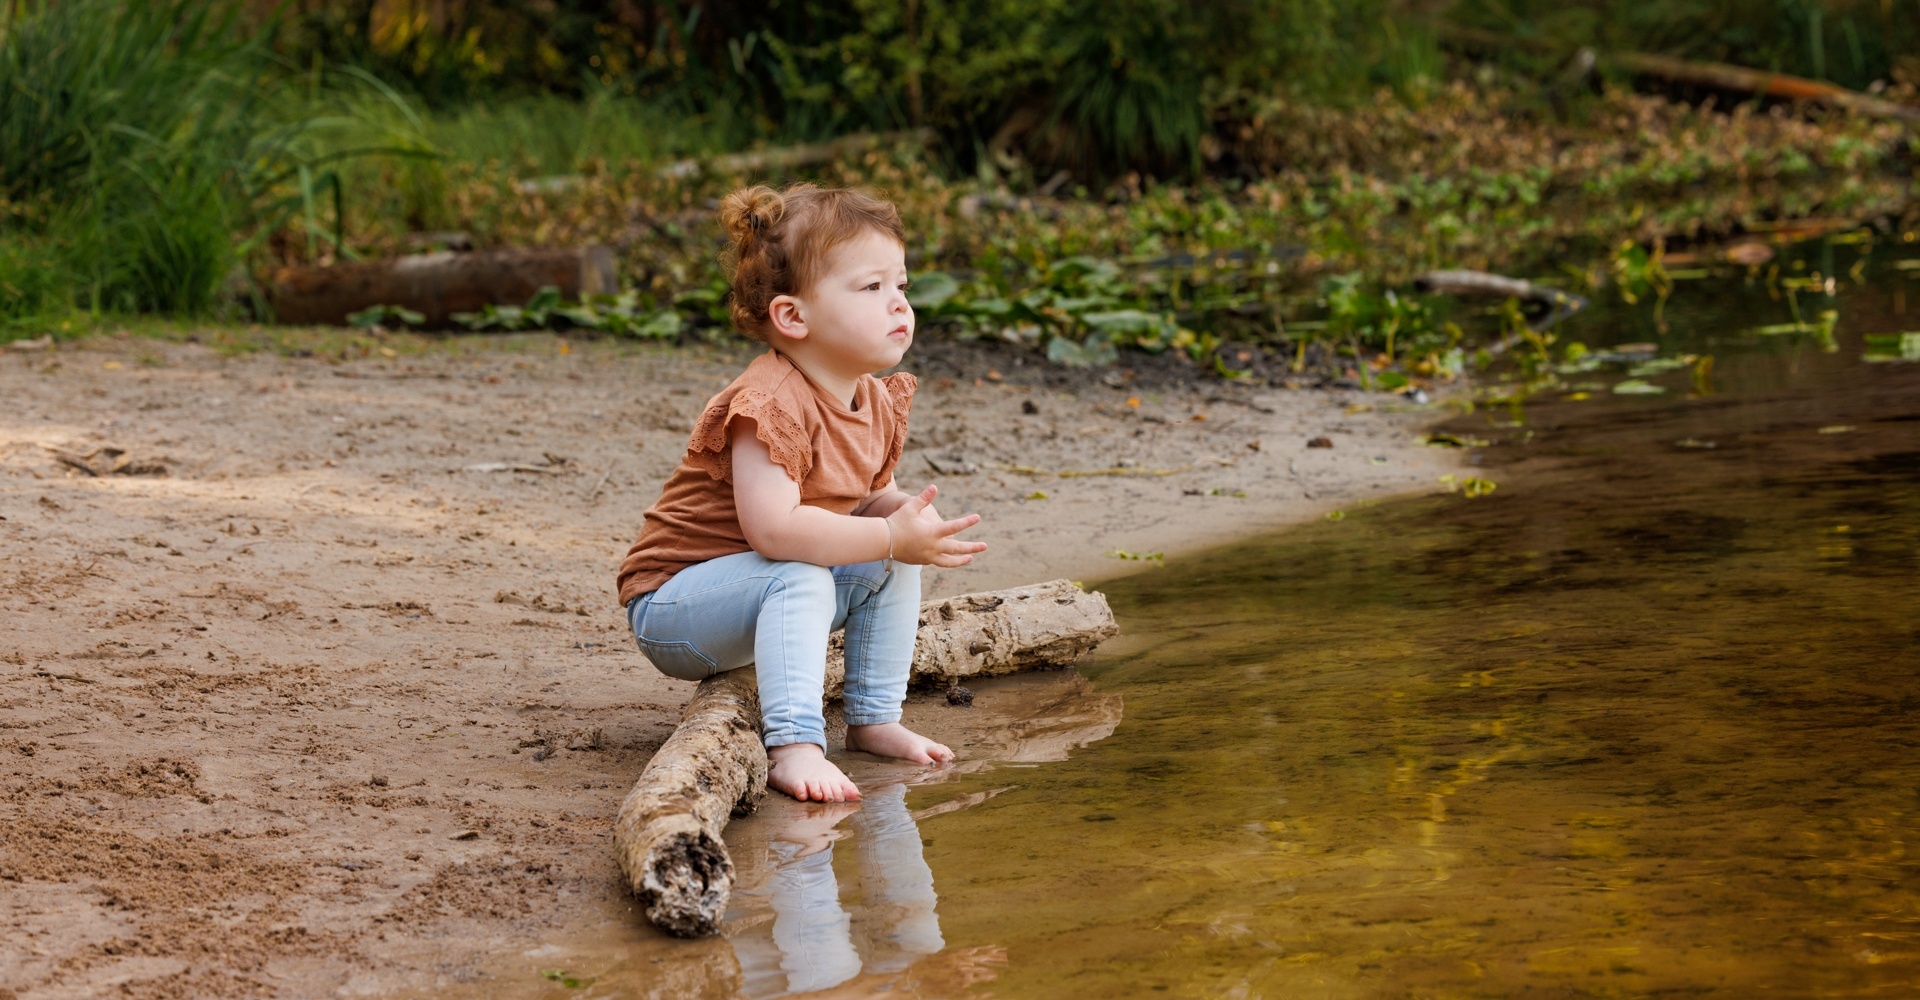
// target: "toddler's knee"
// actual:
[[802, 580]]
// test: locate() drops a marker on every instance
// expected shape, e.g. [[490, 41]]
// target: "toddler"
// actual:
[[782, 522]]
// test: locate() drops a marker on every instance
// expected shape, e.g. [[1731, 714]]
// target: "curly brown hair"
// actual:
[[779, 242]]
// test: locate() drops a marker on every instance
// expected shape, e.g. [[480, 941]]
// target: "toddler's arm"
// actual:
[[780, 527], [882, 502]]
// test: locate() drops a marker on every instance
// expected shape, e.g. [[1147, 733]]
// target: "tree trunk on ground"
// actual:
[[713, 767], [788, 157], [437, 285]]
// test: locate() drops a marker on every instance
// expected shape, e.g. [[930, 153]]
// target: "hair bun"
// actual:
[[748, 213]]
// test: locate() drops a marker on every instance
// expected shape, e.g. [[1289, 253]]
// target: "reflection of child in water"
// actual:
[[782, 522], [815, 943]]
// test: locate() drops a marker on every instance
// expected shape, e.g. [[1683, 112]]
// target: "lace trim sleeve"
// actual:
[[709, 448], [900, 389]]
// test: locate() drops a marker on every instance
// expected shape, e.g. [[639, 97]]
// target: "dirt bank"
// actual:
[[318, 685]]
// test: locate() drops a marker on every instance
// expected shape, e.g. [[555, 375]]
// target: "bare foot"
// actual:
[[803, 771], [891, 739]]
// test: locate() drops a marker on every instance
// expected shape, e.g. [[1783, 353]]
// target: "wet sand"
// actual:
[[341, 702]]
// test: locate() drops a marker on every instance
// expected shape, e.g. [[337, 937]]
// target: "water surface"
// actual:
[[1642, 721]]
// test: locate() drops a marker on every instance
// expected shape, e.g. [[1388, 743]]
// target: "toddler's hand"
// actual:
[[921, 538]]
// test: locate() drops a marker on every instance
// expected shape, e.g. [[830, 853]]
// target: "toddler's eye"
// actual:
[[873, 287]]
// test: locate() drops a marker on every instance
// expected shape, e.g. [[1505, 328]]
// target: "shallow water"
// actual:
[[1642, 721]]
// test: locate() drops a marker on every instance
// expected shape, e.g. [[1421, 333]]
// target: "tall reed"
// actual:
[[142, 145]]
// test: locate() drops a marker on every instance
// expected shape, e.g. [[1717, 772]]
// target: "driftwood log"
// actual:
[[1038, 627], [1552, 304], [667, 836], [437, 285]]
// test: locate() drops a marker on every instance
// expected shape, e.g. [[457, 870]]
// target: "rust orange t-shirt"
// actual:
[[839, 456]]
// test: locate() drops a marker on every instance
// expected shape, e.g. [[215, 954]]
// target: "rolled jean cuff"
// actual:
[[873, 718], [784, 739]]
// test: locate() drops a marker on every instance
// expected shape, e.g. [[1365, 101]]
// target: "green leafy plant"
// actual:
[[621, 315], [383, 316], [1080, 311]]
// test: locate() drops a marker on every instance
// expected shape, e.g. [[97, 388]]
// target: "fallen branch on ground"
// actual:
[[1559, 304], [437, 285], [788, 157], [667, 837], [1724, 77]]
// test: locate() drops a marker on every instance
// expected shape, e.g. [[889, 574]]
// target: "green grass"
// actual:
[[145, 148]]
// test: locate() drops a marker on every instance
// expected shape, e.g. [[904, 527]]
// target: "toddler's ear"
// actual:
[[788, 318]]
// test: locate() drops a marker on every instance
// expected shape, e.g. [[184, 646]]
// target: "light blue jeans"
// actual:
[[746, 609], [814, 943]]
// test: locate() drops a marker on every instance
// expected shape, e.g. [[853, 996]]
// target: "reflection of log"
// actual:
[[1038, 627], [438, 284], [667, 836]]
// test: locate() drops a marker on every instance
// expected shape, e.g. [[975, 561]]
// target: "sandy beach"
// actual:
[[313, 680]]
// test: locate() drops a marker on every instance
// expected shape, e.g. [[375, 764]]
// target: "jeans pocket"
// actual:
[[678, 659]]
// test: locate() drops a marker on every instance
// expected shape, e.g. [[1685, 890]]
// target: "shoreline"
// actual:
[[358, 651]]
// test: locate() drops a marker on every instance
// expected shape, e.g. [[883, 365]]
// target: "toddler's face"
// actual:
[[858, 312]]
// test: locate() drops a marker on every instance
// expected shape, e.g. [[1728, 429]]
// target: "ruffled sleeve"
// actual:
[[786, 440], [900, 389]]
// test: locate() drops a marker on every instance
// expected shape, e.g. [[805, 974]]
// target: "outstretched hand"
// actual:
[[922, 538]]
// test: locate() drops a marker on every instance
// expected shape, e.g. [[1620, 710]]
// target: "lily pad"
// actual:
[[1636, 387]]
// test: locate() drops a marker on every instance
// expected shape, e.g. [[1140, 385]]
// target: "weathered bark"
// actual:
[[1037, 627], [667, 836], [437, 285]]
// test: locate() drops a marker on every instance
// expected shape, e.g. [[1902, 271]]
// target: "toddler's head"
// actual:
[[784, 244]]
